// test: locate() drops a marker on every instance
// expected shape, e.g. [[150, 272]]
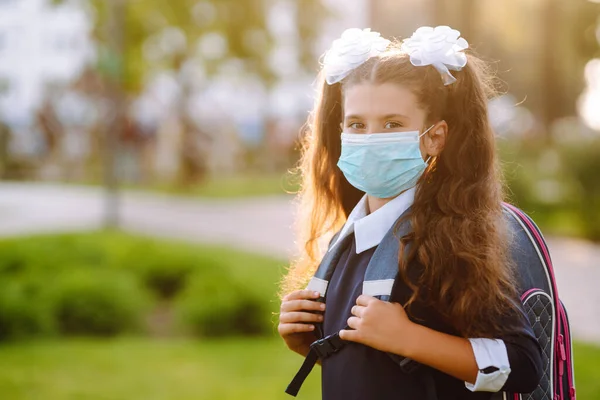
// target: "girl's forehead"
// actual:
[[371, 100]]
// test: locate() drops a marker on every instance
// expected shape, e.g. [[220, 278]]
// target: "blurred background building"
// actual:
[[41, 48], [176, 94], [208, 89]]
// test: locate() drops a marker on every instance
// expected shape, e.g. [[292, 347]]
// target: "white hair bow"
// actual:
[[441, 47], [351, 50]]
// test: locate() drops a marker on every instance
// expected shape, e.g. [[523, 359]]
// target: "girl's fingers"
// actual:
[[288, 329], [302, 294], [298, 305], [364, 300], [293, 317], [350, 335], [354, 322], [358, 311]]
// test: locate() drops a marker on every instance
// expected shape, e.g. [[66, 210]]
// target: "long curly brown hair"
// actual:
[[458, 232]]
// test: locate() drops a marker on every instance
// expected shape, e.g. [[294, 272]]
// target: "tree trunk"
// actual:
[[550, 74], [116, 36]]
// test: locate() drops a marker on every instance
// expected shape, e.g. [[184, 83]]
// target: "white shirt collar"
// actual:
[[369, 229]]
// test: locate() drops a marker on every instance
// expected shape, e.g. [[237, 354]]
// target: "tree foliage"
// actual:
[[159, 34]]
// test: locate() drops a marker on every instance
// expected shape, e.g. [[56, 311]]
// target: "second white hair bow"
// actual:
[[351, 50], [441, 47]]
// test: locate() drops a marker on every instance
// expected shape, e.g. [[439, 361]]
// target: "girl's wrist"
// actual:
[[409, 346]]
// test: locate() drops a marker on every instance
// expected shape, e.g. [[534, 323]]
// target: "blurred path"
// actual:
[[257, 224]]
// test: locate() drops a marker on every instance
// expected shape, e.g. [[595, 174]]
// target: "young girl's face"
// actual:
[[383, 108]]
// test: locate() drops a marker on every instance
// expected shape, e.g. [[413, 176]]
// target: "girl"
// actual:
[[415, 146]]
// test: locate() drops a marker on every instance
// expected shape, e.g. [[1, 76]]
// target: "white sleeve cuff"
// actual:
[[489, 353]]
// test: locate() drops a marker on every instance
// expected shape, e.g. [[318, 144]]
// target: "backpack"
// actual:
[[535, 276], [547, 313]]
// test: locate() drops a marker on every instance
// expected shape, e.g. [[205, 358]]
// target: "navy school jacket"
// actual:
[[522, 346]]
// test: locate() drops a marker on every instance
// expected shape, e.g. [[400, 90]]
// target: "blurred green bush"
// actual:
[[216, 304], [96, 302], [25, 309], [556, 183], [164, 270], [108, 283]]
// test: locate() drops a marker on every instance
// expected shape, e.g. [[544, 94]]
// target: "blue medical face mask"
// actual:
[[382, 165]]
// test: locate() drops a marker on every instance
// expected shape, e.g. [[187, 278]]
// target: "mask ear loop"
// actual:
[[421, 135], [430, 169], [430, 164], [427, 130]]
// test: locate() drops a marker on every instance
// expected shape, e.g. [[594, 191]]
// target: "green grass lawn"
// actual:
[[147, 369], [137, 368], [587, 371]]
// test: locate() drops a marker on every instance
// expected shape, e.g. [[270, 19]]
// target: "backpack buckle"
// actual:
[[327, 346]]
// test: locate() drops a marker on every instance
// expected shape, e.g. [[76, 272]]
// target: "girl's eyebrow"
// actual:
[[388, 116], [352, 116]]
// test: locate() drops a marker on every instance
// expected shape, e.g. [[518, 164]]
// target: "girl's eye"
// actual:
[[392, 125], [356, 125]]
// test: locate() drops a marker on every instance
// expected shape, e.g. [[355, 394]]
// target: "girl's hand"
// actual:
[[295, 322], [381, 325]]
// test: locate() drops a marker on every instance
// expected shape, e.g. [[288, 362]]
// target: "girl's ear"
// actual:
[[435, 140]]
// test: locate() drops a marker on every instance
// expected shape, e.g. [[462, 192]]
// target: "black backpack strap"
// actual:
[[381, 275], [320, 280], [305, 370], [429, 385], [319, 349], [382, 270], [324, 346]]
